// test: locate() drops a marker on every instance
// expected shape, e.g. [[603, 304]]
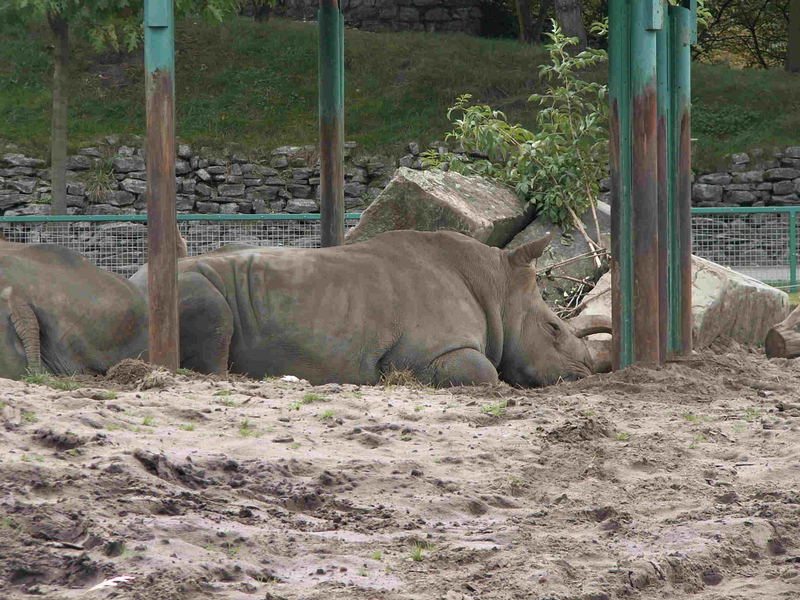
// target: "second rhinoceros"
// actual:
[[442, 305]]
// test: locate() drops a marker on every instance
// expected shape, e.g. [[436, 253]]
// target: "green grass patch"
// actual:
[[498, 409]]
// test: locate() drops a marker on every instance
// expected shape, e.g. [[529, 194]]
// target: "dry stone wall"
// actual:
[[461, 16], [110, 179]]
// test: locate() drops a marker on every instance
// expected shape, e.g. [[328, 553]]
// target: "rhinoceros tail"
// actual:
[[27, 327]]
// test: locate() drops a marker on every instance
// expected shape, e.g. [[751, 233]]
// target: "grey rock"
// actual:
[[301, 175], [182, 167], [188, 186], [748, 177], [126, 164], [206, 207], [184, 151], [566, 245], [140, 175], [203, 175], [204, 190], [184, 202], [134, 186], [91, 152], [262, 193], [235, 169], [234, 179], [781, 188], [715, 178], [106, 209], [20, 160], [277, 205], [253, 181], [79, 163], [354, 190], [740, 197], [126, 151], [792, 152], [788, 200], [231, 189], [703, 192], [228, 208], [413, 148], [247, 168], [8, 200], [25, 185], [301, 205], [740, 159], [279, 162], [432, 200], [406, 161], [29, 210], [118, 198], [299, 191], [76, 201], [781, 173], [76, 188], [217, 170]]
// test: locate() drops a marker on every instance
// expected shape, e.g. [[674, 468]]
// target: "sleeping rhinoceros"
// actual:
[[60, 313], [440, 304]]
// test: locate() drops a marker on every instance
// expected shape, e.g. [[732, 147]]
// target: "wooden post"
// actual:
[[331, 122], [161, 215]]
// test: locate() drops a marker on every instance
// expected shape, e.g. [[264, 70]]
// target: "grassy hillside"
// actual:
[[255, 84]]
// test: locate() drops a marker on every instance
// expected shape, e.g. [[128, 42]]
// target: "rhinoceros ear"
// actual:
[[522, 256]]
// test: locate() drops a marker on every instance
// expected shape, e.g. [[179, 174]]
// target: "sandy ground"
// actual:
[[676, 483]]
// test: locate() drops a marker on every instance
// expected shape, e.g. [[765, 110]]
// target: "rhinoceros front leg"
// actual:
[[464, 366], [206, 324]]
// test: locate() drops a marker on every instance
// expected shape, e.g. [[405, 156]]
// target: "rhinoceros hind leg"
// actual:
[[464, 366], [206, 325]]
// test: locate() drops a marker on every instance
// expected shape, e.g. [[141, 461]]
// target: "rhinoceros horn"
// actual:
[[27, 327], [600, 350], [522, 256]]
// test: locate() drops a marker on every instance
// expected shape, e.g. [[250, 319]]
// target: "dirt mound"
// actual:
[[647, 484]]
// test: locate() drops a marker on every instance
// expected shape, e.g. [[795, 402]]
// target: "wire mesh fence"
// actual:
[[759, 242], [119, 243]]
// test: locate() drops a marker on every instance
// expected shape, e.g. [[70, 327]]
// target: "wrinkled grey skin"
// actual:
[[60, 313], [443, 305]]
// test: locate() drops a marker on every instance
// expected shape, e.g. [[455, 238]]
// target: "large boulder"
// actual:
[[566, 245], [725, 304], [434, 200]]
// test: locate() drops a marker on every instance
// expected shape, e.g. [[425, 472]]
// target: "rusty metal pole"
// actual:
[[620, 161], [331, 122], [162, 285], [683, 33], [634, 176], [666, 188]]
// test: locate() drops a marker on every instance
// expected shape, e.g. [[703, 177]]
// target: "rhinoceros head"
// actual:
[[538, 347]]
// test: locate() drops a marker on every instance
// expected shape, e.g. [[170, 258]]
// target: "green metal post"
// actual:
[[682, 32], [620, 162], [331, 122], [634, 163], [792, 252], [159, 58], [666, 190]]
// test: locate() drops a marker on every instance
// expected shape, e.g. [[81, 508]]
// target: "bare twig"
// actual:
[[600, 252]]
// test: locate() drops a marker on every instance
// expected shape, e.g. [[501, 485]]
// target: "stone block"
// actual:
[[704, 192], [748, 177], [301, 205], [134, 186], [126, 164], [434, 200], [725, 305], [781, 173], [715, 178], [227, 189]]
